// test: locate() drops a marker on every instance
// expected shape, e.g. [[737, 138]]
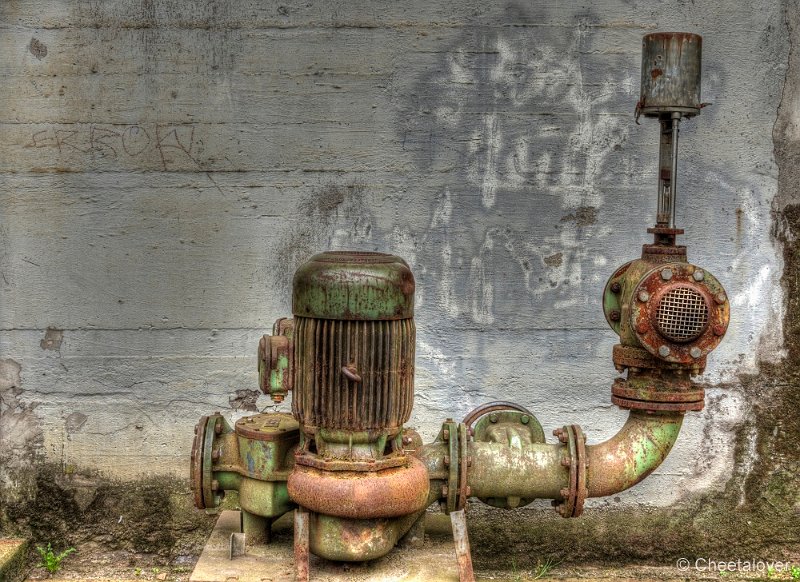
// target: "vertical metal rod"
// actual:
[[664, 202], [301, 549], [459, 521], [673, 184]]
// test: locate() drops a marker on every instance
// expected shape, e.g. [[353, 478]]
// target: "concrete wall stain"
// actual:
[[52, 339], [37, 48], [20, 434]]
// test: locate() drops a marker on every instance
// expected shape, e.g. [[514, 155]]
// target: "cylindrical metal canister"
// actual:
[[354, 343], [671, 66]]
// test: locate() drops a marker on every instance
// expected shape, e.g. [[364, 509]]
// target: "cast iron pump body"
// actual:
[[358, 479]]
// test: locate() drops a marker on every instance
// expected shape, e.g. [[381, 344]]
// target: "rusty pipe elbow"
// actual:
[[633, 453]]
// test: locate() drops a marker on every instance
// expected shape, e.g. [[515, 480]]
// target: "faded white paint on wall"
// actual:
[[165, 165]]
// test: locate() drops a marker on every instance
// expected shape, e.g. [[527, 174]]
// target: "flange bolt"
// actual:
[[699, 275], [644, 296], [666, 274], [663, 351], [695, 352]]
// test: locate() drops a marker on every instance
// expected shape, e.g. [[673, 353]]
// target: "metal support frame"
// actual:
[[301, 544]]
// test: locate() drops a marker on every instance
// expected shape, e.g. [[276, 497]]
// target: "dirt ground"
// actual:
[[94, 563]]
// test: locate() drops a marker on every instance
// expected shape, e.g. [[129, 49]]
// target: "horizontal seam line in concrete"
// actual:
[[306, 27]]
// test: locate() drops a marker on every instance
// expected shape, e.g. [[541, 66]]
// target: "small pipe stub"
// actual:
[[671, 67]]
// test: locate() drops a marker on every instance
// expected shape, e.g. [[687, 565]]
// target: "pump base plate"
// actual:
[[275, 561]]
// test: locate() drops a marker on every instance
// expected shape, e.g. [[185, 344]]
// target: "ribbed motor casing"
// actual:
[[381, 352]]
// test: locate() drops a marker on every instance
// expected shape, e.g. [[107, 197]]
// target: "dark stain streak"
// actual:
[[554, 260], [583, 216]]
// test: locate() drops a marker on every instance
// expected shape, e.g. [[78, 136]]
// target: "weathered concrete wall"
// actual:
[[165, 165]]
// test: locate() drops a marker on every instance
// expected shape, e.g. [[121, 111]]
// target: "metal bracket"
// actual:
[[459, 521], [301, 543], [237, 545]]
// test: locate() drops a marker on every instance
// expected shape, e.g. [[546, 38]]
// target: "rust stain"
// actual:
[[353, 494], [656, 73]]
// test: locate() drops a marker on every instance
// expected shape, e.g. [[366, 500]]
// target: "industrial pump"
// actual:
[[358, 480]]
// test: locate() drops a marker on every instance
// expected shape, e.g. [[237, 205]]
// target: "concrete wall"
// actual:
[[165, 165]]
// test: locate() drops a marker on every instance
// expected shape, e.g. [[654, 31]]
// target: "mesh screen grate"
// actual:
[[682, 314]]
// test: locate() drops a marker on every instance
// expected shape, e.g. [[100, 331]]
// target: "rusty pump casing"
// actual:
[[358, 480]]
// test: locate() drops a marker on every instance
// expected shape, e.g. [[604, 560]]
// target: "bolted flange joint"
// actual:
[[456, 462], [574, 460]]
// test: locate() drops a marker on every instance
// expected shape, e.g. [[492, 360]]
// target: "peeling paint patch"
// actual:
[[245, 400], [52, 339], [75, 421]]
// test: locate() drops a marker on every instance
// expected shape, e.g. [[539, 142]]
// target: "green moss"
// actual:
[[152, 515]]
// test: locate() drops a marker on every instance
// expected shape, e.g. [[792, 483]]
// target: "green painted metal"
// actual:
[[350, 285], [357, 540], [534, 471], [509, 426], [277, 375], [627, 277], [633, 453], [264, 498]]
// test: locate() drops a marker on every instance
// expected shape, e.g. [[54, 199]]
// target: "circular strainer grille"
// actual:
[[682, 314]]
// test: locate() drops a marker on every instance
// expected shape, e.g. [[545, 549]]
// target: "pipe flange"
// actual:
[[656, 395], [628, 404], [196, 470], [573, 496], [203, 490], [463, 463], [679, 313], [457, 490], [625, 357]]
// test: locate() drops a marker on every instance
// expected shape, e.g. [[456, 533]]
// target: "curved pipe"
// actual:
[[535, 471], [639, 447]]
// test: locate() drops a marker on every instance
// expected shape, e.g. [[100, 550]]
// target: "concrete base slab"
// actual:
[[12, 559], [275, 562]]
